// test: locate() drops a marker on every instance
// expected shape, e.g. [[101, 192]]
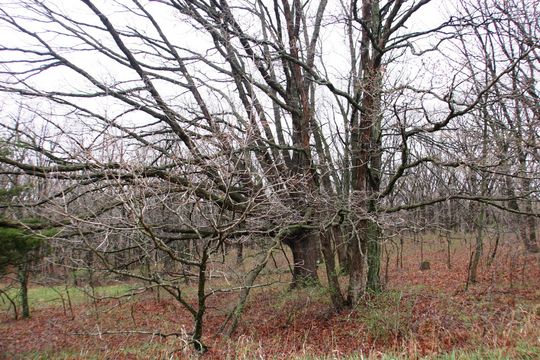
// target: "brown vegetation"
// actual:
[[422, 313]]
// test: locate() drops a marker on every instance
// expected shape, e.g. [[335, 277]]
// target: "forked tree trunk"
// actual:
[[366, 152]]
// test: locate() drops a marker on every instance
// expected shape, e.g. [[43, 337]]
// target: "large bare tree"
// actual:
[[169, 130]]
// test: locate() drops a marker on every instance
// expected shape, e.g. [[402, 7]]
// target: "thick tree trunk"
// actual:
[[305, 251], [366, 153]]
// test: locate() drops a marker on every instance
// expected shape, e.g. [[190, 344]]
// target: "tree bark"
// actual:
[[342, 245], [22, 274], [479, 247], [366, 153], [373, 283], [328, 238], [305, 250], [356, 274]]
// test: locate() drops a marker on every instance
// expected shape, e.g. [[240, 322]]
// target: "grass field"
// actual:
[[54, 296]]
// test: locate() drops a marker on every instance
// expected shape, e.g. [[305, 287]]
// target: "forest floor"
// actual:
[[421, 314]]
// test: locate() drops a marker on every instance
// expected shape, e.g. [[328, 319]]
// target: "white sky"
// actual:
[[430, 70]]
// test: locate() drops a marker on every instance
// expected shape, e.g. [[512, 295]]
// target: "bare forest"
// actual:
[[269, 179]]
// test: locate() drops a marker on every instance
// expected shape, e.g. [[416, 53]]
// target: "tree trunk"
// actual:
[[328, 238], [305, 251], [373, 235], [342, 245], [239, 253], [201, 300], [479, 247], [22, 275], [356, 273], [366, 150], [231, 323], [531, 244]]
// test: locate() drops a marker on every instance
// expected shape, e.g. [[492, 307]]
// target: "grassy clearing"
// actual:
[[55, 296]]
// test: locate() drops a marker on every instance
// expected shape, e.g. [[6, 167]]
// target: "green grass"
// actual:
[[46, 355], [527, 351], [51, 296], [530, 352], [478, 354], [387, 314]]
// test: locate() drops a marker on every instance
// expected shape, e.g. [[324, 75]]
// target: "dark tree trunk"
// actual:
[[530, 240], [22, 275], [239, 253], [342, 246], [305, 251], [366, 153], [201, 302], [478, 250]]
